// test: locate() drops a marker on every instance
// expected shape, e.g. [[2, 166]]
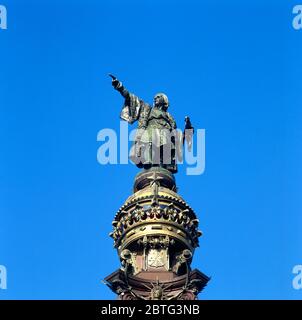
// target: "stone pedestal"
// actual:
[[155, 233]]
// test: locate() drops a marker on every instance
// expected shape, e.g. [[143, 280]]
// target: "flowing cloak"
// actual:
[[131, 108]]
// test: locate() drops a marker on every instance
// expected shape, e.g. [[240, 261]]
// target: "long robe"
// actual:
[[155, 126]]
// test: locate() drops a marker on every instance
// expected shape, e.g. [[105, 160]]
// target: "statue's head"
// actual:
[[157, 293], [161, 101]]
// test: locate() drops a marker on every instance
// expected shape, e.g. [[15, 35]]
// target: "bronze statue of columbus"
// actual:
[[157, 142]]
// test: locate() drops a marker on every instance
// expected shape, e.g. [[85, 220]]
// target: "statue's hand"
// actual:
[[118, 85], [188, 124], [115, 82]]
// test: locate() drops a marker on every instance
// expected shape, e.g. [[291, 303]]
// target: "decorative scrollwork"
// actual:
[[164, 213]]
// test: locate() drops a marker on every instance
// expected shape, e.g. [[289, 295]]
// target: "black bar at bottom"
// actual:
[[106, 309]]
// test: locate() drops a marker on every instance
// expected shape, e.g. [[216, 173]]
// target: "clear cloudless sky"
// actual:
[[233, 66]]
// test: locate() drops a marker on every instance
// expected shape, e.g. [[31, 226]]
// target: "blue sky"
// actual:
[[233, 66]]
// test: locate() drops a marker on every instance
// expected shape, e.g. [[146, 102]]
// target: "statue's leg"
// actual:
[[156, 155], [136, 154], [152, 156], [173, 162], [147, 155], [171, 165]]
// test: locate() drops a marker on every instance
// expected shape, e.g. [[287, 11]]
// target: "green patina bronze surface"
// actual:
[[157, 142]]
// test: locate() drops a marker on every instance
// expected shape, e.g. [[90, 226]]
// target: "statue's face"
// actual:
[[157, 100], [160, 100]]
